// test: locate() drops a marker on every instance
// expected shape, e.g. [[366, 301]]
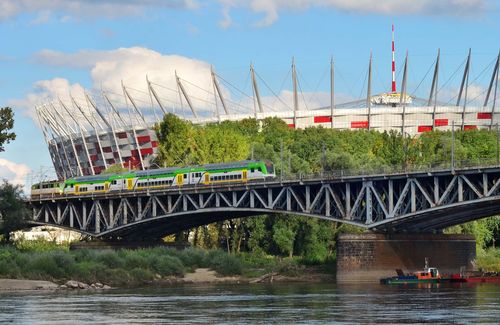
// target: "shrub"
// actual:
[[223, 263], [9, 269], [191, 257], [141, 275], [63, 260], [38, 245], [133, 259], [115, 277], [44, 266], [110, 259], [89, 271], [168, 265]]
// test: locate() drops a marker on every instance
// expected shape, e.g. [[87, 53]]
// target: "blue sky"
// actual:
[[51, 48]]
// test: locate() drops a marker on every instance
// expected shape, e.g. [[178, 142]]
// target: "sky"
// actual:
[[50, 49]]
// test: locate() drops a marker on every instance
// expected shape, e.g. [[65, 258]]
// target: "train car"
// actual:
[[97, 183], [46, 189], [237, 172]]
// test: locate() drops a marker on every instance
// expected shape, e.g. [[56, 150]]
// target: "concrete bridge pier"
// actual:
[[371, 256]]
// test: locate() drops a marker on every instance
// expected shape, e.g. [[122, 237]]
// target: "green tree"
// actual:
[[176, 143], [6, 124], [284, 232], [114, 169], [13, 211]]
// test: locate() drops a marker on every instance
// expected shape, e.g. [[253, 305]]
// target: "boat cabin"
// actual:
[[428, 273]]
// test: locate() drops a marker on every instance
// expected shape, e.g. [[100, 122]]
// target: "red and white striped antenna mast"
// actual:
[[393, 64]]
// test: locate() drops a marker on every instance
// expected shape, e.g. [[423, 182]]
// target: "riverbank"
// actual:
[[153, 266], [199, 276]]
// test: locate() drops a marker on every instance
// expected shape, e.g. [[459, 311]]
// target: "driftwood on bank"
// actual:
[[268, 278]]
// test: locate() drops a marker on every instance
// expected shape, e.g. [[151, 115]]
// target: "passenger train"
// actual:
[[240, 171]]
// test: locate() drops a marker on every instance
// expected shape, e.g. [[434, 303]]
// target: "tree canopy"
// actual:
[[13, 211], [312, 150], [6, 125]]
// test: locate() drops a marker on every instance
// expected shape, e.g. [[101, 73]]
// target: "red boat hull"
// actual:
[[475, 279]]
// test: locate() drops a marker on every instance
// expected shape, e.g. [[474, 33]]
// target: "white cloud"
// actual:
[[13, 173], [108, 69], [45, 91], [475, 95], [272, 8], [88, 8], [131, 65]]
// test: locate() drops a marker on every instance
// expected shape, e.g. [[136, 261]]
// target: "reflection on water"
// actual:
[[260, 304]]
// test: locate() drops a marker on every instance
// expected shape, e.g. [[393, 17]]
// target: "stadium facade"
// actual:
[[87, 141]]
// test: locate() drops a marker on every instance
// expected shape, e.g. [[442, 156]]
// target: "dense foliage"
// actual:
[[306, 151], [13, 210], [6, 125]]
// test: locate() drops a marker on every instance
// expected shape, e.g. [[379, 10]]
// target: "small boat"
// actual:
[[427, 275]]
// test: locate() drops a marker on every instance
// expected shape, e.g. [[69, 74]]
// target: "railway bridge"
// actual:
[[398, 202]]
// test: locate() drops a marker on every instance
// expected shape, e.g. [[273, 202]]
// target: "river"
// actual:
[[259, 304]]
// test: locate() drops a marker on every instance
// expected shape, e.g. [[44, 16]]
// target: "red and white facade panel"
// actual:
[[92, 154]]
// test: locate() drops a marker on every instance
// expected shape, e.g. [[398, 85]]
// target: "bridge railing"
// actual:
[[479, 162]]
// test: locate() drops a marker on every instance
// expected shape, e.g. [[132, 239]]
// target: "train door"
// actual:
[[207, 179], [130, 183], [245, 175], [180, 179]]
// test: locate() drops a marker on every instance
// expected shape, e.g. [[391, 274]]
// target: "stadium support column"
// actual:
[[69, 133], [295, 95], [55, 129], [45, 131], [80, 127], [332, 97], [155, 95], [217, 113], [255, 92], [95, 131], [434, 89], [217, 88], [402, 96], [369, 92], [109, 125], [181, 87], [494, 80], [464, 84], [137, 110]]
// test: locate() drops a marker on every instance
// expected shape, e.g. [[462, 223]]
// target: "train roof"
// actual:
[[234, 164]]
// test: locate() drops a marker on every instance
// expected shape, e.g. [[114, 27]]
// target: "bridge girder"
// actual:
[[411, 202]]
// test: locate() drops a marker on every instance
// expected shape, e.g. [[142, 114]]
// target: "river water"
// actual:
[[259, 304]]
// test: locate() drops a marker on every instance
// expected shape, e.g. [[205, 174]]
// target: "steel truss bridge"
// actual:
[[401, 202]]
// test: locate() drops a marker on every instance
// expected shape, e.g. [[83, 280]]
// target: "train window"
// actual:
[[259, 169], [252, 170], [185, 176]]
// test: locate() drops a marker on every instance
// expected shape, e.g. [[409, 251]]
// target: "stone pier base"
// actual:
[[369, 257]]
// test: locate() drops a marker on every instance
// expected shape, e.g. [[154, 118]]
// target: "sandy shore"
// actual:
[[199, 276], [11, 284]]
